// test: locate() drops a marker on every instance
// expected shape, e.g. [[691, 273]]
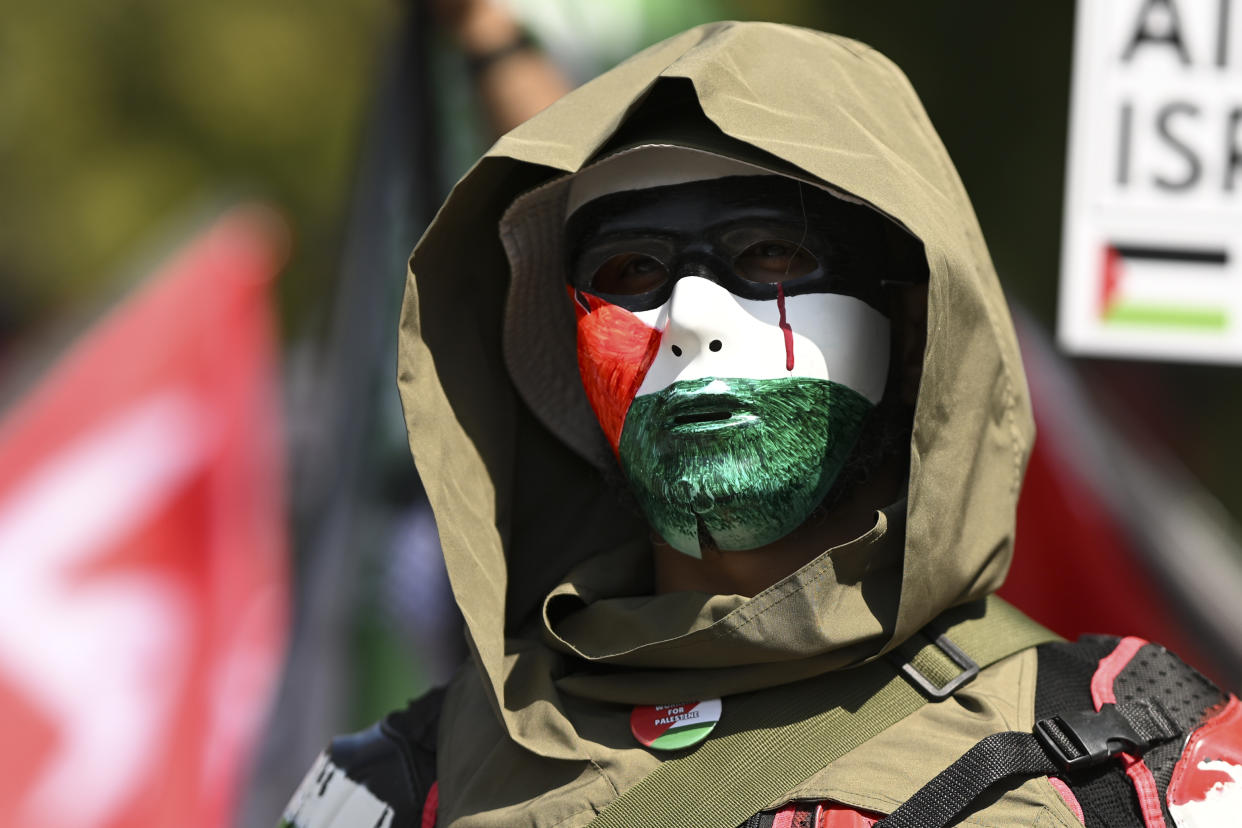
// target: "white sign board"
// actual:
[[1152, 246]]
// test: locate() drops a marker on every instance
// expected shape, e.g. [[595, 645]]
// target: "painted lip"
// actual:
[[704, 411]]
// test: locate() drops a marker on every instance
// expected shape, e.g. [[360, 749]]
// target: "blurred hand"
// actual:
[[515, 83], [479, 26]]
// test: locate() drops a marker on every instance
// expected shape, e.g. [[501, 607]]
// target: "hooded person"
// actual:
[[714, 392]]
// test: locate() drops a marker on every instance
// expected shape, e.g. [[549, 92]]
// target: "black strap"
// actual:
[[1060, 744], [774, 740]]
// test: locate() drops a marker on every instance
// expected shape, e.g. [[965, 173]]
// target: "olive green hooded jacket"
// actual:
[[550, 570]]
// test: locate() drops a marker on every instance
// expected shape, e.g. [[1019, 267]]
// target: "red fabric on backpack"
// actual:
[[431, 805], [825, 814], [1101, 694]]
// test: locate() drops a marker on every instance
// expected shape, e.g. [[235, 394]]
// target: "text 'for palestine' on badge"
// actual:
[[674, 726]]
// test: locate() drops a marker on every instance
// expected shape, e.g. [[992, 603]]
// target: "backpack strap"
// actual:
[[1063, 744], [775, 739], [1135, 703]]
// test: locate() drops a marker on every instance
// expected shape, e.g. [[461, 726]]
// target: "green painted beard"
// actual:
[[748, 463]]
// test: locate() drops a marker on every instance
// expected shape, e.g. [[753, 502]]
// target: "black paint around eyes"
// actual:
[[694, 206], [702, 227]]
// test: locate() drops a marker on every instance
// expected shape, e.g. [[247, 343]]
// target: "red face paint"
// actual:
[[615, 349], [780, 304]]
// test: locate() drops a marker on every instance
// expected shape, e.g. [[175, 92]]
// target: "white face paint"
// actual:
[[709, 332]]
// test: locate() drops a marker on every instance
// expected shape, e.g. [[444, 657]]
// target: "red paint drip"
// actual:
[[780, 304]]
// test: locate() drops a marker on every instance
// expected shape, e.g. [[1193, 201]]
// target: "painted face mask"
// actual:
[[731, 341]]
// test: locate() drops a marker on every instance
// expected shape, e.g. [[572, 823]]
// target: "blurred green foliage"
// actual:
[[115, 116]]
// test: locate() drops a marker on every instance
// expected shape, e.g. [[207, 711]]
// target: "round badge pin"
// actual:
[[674, 726]]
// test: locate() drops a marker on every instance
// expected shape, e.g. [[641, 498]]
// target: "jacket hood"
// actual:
[[548, 566]]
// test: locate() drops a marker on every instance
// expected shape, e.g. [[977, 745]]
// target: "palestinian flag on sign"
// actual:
[[1164, 287]]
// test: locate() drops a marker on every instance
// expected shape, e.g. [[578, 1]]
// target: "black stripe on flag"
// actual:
[[1187, 255]]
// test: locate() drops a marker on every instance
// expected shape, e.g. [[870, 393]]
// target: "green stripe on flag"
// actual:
[[1156, 316], [679, 737]]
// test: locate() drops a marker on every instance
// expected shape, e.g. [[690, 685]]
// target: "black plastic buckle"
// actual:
[[969, 670], [1082, 738]]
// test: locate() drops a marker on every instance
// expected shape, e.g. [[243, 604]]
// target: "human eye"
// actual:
[[628, 274], [774, 260]]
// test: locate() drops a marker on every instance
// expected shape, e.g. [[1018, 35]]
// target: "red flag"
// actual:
[[1112, 538], [143, 571]]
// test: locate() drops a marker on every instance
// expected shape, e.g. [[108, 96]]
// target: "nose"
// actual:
[[709, 332], [702, 318]]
